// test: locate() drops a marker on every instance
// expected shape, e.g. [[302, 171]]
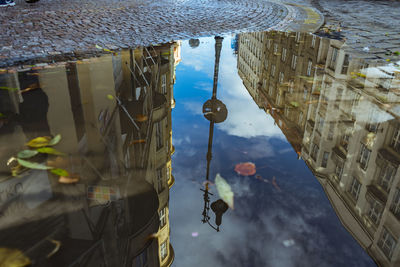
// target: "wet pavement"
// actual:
[[49, 28], [120, 159]]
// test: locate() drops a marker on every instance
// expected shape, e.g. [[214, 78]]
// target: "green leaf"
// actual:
[[39, 141], [55, 140], [294, 104], [25, 154], [33, 165], [8, 88], [397, 53], [60, 172], [2, 115], [50, 150], [111, 97]]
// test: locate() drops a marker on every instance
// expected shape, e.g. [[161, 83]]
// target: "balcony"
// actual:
[[159, 107]]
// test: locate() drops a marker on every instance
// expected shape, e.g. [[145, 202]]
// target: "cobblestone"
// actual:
[[365, 23], [59, 26]]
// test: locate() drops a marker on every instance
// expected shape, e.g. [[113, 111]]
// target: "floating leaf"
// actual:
[[56, 139], [33, 165], [68, 180], [141, 118], [50, 150], [15, 170], [140, 141], [224, 190], [246, 168], [99, 47], [397, 53], [25, 154], [13, 258], [39, 141], [59, 172], [8, 88], [56, 247], [111, 97], [294, 104]]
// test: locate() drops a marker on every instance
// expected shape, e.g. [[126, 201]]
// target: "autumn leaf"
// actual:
[[224, 190], [56, 139], [59, 172], [68, 180], [33, 165], [39, 141], [25, 154], [50, 150]]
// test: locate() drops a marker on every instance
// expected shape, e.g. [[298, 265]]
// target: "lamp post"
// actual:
[[216, 112]]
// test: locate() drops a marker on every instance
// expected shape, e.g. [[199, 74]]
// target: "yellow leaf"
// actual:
[[224, 190], [13, 258], [39, 141]]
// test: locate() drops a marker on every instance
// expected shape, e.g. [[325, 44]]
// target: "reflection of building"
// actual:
[[114, 116], [342, 116]]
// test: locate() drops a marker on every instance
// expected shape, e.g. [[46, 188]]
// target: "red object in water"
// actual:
[[245, 169]]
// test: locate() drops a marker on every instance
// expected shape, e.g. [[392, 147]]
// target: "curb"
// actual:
[[308, 19]]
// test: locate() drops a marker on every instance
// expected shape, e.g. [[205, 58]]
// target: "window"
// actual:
[[331, 131], [305, 94], [309, 68], [372, 126], [300, 121], [294, 61], [266, 64], [281, 77], [159, 135], [375, 211], [332, 63], [325, 158], [364, 156], [297, 37], [284, 51], [386, 175], [160, 180], [344, 141], [345, 66], [339, 170], [355, 188], [387, 243], [163, 250], [320, 125], [314, 38], [269, 43], [314, 151], [273, 70], [140, 260], [286, 112], [396, 140], [270, 90], [278, 98], [395, 207], [163, 218], [275, 48], [291, 86], [164, 83]]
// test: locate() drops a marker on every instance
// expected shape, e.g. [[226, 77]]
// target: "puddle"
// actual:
[[303, 134]]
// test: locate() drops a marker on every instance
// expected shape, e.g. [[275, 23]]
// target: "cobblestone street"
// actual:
[[53, 27]]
